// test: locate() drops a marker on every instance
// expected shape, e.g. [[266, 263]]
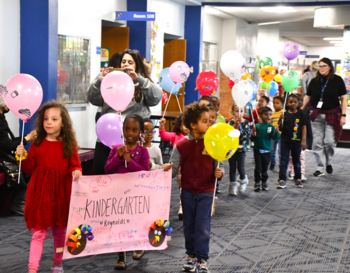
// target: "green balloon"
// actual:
[[265, 85], [266, 61], [290, 80], [220, 119]]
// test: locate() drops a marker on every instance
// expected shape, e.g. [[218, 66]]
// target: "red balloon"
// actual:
[[164, 98], [231, 83], [207, 82], [283, 71]]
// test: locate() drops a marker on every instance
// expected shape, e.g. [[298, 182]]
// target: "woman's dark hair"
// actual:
[[264, 110], [331, 71], [177, 126], [140, 69], [279, 98], [193, 112], [266, 99], [115, 60], [138, 118], [207, 98]]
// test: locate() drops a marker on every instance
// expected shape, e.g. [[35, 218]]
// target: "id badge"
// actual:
[[319, 104]]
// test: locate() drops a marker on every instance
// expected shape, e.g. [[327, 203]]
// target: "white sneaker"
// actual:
[[57, 269], [291, 176], [303, 178], [244, 184], [233, 188]]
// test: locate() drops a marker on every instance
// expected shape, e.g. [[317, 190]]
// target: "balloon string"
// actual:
[[20, 158], [166, 106], [212, 206], [178, 103], [284, 106], [126, 164]]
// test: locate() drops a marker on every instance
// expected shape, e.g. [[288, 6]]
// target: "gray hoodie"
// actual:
[[306, 79]]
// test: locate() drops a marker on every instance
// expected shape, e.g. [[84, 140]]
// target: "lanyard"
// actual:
[[323, 88]]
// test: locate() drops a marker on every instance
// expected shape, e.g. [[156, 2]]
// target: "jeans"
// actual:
[[238, 159], [262, 161], [196, 223], [286, 149], [274, 143]]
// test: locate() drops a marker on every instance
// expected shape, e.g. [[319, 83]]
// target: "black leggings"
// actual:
[[238, 159], [100, 158]]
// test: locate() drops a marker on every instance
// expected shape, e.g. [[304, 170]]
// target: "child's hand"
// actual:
[[121, 150], [20, 149], [76, 175], [127, 156], [218, 172], [277, 129], [303, 145], [166, 167], [282, 116], [254, 130], [162, 123], [150, 165], [104, 73]]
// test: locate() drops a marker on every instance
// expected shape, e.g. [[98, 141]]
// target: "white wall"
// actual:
[[331, 52], [10, 49], [83, 18], [212, 29]]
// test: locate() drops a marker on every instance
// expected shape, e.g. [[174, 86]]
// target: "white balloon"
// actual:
[[232, 64], [242, 93]]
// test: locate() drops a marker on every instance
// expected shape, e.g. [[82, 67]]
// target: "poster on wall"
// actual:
[[118, 212], [104, 57], [345, 63]]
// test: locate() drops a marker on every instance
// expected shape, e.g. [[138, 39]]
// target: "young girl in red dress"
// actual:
[[52, 161]]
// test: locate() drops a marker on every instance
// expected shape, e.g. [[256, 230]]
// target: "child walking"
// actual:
[[179, 133], [155, 154], [263, 132], [238, 158], [263, 102], [137, 159], [277, 105], [293, 127], [199, 171], [52, 161]]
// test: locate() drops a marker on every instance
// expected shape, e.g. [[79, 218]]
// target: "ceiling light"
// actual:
[[336, 42], [269, 23], [331, 39], [278, 9]]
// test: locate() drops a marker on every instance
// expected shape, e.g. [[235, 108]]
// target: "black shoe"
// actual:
[[329, 169], [272, 167], [257, 186], [121, 261], [18, 209], [190, 265], [264, 187], [318, 173], [202, 267]]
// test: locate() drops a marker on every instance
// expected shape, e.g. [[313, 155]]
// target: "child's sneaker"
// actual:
[[190, 265], [56, 269], [202, 267], [233, 188], [264, 186], [281, 184], [244, 184], [272, 167], [303, 178], [291, 176], [298, 184], [257, 186]]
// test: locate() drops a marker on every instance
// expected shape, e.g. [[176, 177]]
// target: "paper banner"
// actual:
[[116, 212]]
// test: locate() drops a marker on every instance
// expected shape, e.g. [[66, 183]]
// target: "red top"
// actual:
[[170, 136], [256, 116], [49, 189]]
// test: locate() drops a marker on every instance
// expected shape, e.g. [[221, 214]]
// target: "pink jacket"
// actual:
[[172, 137]]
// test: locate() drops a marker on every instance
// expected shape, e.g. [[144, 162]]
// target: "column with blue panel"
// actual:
[[39, 35], [194, 37]]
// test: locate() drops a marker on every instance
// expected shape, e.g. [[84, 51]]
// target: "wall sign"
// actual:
[[303, 53], [134, 16], [312, 56]]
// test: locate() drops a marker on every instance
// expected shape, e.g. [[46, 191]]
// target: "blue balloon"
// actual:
[[166, 83], [273, 89], [252, 83]]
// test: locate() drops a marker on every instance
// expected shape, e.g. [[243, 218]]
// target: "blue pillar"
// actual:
[[194, 37], [39, 27], [140, 32]]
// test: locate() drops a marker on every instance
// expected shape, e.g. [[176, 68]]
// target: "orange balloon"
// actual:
[[246, 76], [278, 78], [267, 73]]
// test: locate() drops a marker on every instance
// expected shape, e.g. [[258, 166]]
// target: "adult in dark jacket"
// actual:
[[8, 145], [327, 115]]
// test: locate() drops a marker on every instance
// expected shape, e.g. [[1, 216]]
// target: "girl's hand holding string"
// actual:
[[20, 149], [218, 172], [162, 123], [166, 167], [127, 155], [121, 150], [76, 175]]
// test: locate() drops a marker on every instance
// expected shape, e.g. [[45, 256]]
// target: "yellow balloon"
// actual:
[[278, 78], [221, 141], [338, 68]]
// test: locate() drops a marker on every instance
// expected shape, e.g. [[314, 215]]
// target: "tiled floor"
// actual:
[[291, 230]]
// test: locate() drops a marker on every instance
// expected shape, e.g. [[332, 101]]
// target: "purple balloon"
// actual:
[[291, 51], [109, 129]]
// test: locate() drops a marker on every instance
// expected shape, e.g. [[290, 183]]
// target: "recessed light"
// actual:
[[336, 42], [331, 39], [278, 9], [269, 23]]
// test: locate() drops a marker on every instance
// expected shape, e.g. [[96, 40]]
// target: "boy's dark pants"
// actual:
[[287, 149], [196, 222], [262, 161]]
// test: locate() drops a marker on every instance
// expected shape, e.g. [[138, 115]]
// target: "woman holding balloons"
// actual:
[[327, 116], [146, 94]]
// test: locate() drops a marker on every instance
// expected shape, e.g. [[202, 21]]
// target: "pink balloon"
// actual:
[[24, 96], [109, 129], [117, 89], [179, 72]]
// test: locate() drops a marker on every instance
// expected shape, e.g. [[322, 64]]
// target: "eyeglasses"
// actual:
[[323, 66], [149, 132], [132, 51]]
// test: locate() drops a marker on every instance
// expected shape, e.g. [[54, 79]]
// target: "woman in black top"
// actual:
[[326, 114]]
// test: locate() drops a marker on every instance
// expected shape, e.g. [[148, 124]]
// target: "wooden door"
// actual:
[[174, 50], [116, 38]]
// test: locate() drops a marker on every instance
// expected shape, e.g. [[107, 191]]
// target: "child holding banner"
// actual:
[[155, 154], [199, 171], [52, 161], [137, 159]]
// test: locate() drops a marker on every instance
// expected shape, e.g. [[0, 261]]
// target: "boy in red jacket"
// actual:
[[199, 171], [263, 101]]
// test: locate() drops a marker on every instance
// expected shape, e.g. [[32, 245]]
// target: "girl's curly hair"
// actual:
[[192, 113], [67, 135]]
